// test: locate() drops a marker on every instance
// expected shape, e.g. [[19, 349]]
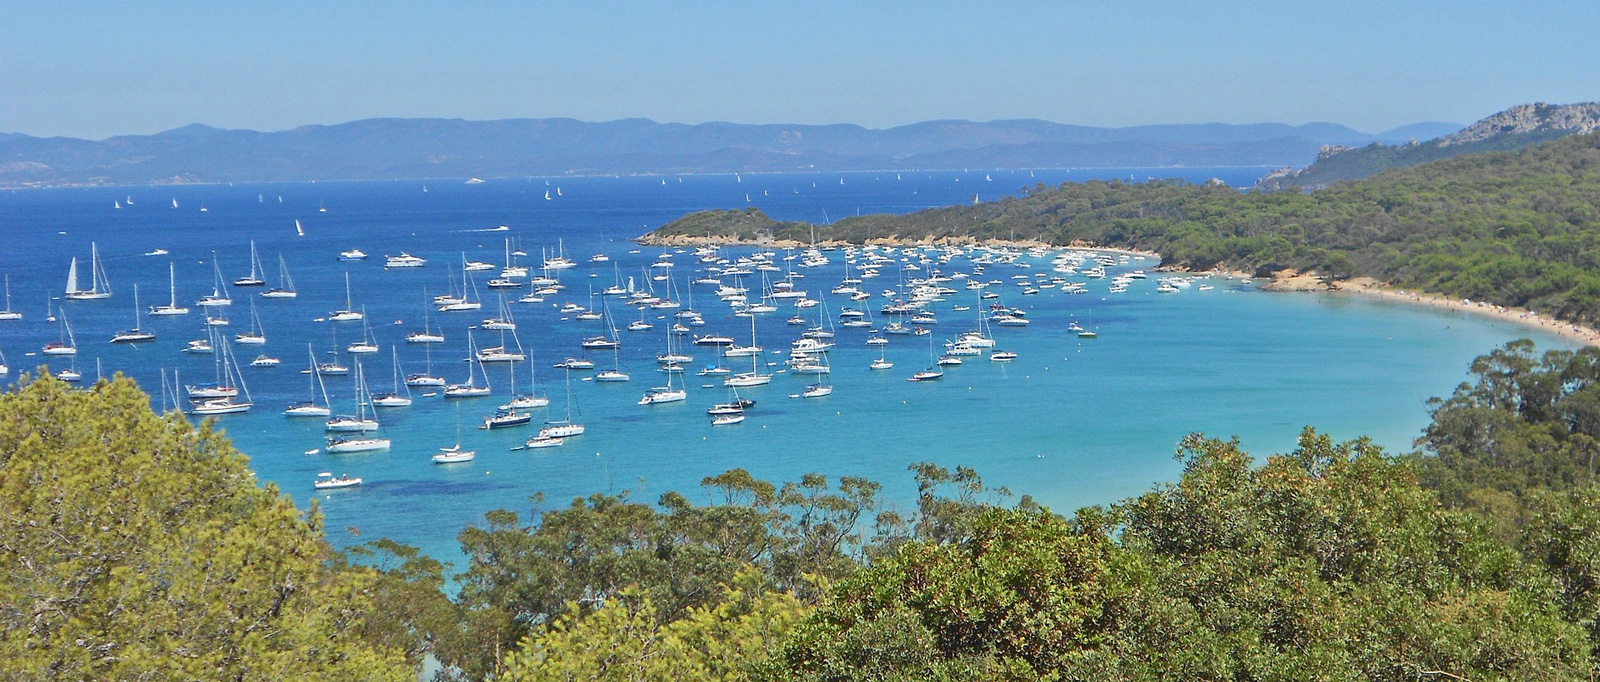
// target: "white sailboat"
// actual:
[[254, 278], [285, 288], [99, 287], [428, 334], [463, 303], [427, 377], [754, 377], [401, 396], [358, 422], [255, 336], [68, 345], [469, 389], [454, 454], [8, 313], [219, 294], [172, 307], [531, 399], [366, 344], [349, 313], [135, 335], [310, 407], [558, 429], [230, 404]]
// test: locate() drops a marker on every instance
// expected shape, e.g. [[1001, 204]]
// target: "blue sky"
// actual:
[[94, 69]]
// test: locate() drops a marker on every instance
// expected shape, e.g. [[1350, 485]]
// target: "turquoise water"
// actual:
[[1072, 422]]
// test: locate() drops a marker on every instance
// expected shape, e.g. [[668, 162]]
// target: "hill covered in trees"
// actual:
[[140, 547], [1517, 228]]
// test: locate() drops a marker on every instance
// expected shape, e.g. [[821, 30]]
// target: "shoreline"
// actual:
[[1366, 286], [1286, 282]]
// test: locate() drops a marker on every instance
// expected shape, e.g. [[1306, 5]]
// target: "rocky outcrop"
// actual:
[[1530, 118]]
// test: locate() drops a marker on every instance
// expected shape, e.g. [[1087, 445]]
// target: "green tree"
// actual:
[[134, 546]]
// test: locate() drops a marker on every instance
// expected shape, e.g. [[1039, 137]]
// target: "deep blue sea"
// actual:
[[1071, 422]]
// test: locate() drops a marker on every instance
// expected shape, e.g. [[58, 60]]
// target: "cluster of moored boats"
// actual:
[[927, 283]]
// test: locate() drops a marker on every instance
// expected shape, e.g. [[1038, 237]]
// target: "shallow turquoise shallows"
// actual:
[[1071, 421]]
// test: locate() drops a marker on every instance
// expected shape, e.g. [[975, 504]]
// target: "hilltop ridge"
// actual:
[[1513, 128], [395, 148]]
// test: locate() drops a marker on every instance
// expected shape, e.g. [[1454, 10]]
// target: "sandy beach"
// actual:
[[1364, 286]]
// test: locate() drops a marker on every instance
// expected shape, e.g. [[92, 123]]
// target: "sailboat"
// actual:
[[512, 270], [253, 337], [358, 443], [227, 404], [463, 303], [71, 373], [504, 321], [824, 386], [171, 308], [932, 373], [556, 430], [427, 335], [219, 294], [310, 408], [349, 313], [531, 399], [736, 405], [454, 454], [560, 260], [285, 288], [366, 344], [615, 374], [99, 287], [501, 353], [8, 313], [135, 335], [427, 377], [754, 377], [603, 341], [254, 278], [68, 345], [470, 389], [666, 394], [358, 422], [394, 399]]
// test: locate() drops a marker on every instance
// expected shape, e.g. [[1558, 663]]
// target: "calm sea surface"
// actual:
[[1072, 422]]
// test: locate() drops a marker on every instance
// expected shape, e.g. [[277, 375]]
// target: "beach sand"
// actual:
[[1364, 286]]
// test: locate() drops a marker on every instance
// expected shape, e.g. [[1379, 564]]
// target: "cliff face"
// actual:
[[1530, 118]]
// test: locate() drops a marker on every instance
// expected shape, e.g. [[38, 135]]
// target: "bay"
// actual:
[[1071, 422]]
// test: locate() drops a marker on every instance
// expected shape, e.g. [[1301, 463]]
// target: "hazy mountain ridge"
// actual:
[[388, 148], [1514, 128]]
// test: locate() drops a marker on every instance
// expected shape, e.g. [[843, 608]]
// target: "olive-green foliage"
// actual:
[[676, 556], [1517, 228], [134, 546], [1327, 563], [627, 639], [1524, 422]]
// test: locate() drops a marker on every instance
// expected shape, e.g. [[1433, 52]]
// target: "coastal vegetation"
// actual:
[[1517, 228], [139, 546]]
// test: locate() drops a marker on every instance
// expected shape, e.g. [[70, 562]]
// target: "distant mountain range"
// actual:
[[1520, 126], [453, 148]]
